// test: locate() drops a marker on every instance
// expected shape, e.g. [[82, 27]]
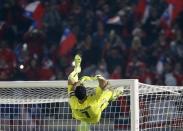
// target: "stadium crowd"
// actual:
[[114, 37]]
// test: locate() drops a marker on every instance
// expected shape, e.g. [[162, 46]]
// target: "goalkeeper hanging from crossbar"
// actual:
[[88, 108]]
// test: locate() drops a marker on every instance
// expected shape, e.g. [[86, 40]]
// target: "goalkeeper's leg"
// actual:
[[110, 94], [83, 126], [77, 69]]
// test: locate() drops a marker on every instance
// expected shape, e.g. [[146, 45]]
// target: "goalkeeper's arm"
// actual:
[[87, 78], [103, 83]]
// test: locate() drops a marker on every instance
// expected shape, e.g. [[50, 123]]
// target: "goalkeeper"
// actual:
[[88, 108]]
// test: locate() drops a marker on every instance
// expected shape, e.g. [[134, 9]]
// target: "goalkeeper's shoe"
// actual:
[[77, 63], [116, 93], [77, 60]]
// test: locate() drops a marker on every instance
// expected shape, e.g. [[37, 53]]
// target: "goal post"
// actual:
[[134, 105], [43, 106]]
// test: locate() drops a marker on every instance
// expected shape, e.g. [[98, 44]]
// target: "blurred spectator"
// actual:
[[137, 45], [151, 26], [170, 79], [114, 58], [117, 73], [160, 65], [26, 118], [88, 52], [7, 62], [178, 73], [52, 22], [102, 69], [35, 40], [133, 67], [115, 40], [64, 7], [31, 70], [46, 71], [146, 76], [99, 40], [90, 70]]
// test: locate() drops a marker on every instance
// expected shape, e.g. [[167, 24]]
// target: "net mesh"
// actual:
[[43, 106], [161, 108]]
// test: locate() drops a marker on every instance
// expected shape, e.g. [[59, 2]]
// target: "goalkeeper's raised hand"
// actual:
[[99, 77], [90, 78]]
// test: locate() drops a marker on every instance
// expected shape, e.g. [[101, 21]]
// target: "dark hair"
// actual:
[[80, 92]]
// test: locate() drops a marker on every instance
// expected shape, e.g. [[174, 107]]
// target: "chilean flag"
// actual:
[[67, 42], [114, 20], [169, 15], [177, 7], [172, 11], [142, 10], [35, 11], [166, 17]]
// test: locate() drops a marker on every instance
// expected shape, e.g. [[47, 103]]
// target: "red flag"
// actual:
[[67, 42], [166, 18], [170, 14], [142, 10], [177, 7], [38, 15], [35, 10]]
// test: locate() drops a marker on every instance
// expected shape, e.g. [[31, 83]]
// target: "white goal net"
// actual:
[[43, 106]]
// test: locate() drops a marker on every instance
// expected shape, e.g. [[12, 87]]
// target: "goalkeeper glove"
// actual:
[[87, 78], [117, 93]]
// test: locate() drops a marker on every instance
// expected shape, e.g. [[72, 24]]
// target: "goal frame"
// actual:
[[134, 101], [134, 105], [134, 93]]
